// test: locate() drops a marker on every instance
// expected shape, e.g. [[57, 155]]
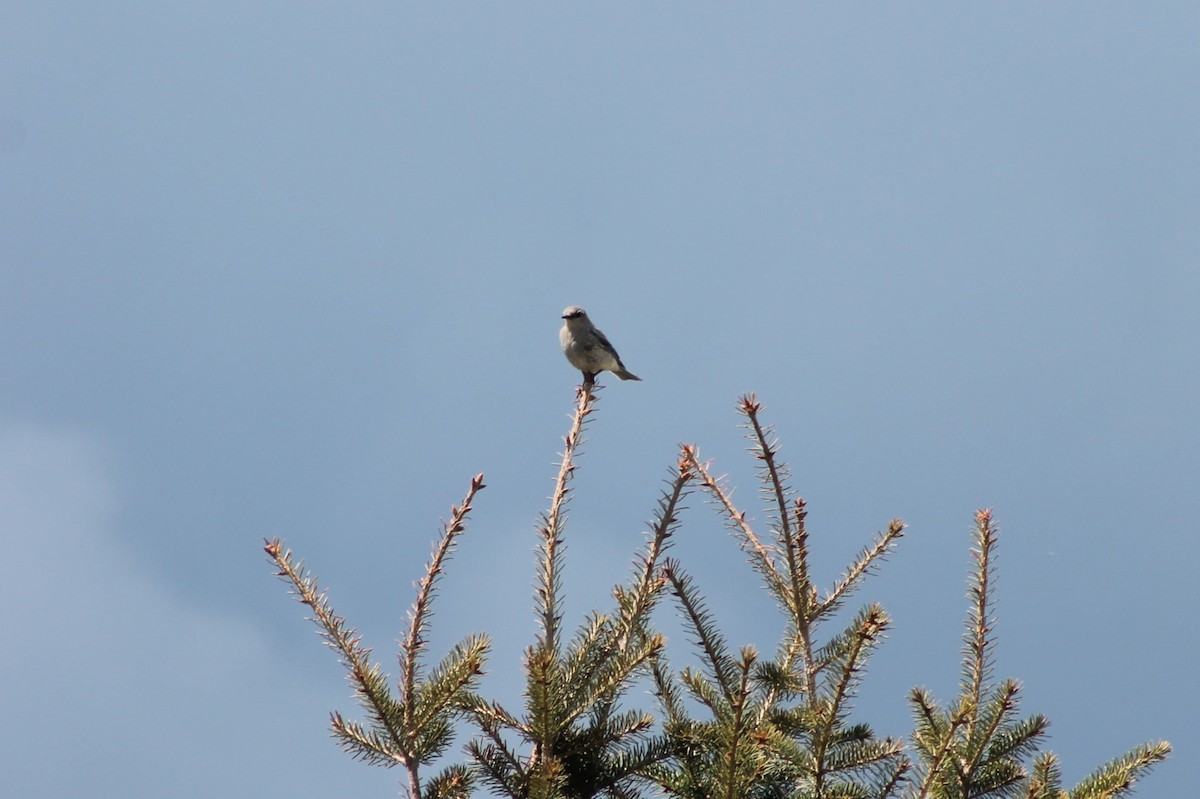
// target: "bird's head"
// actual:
[[574, 312]]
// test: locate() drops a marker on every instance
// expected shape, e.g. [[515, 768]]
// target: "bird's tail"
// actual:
[[625, 375]]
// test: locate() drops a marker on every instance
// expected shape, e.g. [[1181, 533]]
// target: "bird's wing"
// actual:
[[603, 339]]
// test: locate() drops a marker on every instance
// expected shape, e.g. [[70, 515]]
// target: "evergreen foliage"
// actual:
[[978, 747], [735, 724], [413, 728]]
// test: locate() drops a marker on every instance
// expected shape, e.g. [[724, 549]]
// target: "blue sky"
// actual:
[[295, 269]]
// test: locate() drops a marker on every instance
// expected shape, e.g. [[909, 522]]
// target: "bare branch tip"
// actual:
[[749, 404]]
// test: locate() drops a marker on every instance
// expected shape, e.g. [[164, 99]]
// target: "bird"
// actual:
[[588, 349]]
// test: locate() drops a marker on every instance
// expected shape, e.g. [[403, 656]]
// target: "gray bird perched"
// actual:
[[588, 349]]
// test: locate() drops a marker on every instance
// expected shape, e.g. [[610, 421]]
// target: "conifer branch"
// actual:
[[980, 750], [545, 776], [637, 759], [453, 782], [366, 677], [622, 726], [608, 650], [414, 728], [450, 681], [550, 530], [897, 777], [737, 733], [712, 644], [855, 749], [977, 659], [594, 692], [779, 676], [792, 535], [706, 691], [762, 556], [985, 720], [578, 739], [1020, 740], [1046, 780], [502, 769], [867, 560], [620, 645], [1117, 777], [793, 594], [543, 691], [491, 717], [865, 633], [765, 447], [414, 643], [636, 604], [361, 744], [667, 692], [584, 657], [934, 738], [687, 772], [795, 548]]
